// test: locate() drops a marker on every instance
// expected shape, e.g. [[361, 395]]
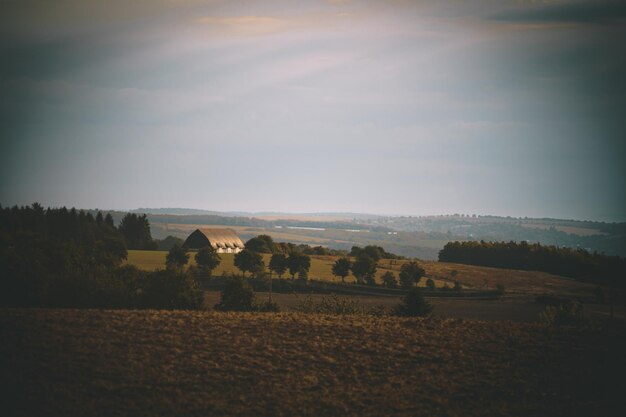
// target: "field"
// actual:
[[413, 244], [477, 277], [157, 363]]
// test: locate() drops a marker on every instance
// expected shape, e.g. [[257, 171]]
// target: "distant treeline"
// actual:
[[609, 238], [575, 263], [69, 258]]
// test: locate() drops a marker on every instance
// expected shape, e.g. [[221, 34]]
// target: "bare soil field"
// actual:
[[175, 363]]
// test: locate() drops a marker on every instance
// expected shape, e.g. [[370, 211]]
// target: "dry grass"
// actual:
[[478, 277], [156, 363]]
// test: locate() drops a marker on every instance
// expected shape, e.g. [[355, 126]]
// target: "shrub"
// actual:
[[330, 305], [171, 289], [177, 257], [389, 280], [457, 286], [414, 305], [237, 295], [410, 274], [303, 275], [500, 289], [430, 284], [566, 314]]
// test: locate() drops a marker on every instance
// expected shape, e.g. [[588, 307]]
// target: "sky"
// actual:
[[512, 108]]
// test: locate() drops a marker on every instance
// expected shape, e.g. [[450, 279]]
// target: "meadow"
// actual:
[[164, 363], [471, 277]]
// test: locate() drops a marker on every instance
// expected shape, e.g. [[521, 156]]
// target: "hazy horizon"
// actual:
[[502, 108]]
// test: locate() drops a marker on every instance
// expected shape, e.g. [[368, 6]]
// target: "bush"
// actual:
[[414, 305], [457, 286], [237, 295], [171, 289], [330, 305], [177, 257], [410, 274], [389, 280], [430, 284], [500, 289], [565, 314]]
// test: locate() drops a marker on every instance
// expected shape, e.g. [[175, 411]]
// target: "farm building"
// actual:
[[222, 240]]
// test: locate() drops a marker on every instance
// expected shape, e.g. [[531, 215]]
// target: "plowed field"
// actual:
[[159, 363]]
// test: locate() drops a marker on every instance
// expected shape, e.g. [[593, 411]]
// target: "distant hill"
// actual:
[[421, 236], [265, 215]]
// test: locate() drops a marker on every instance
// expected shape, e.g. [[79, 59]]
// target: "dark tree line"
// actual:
[[575, 263], [265, 244], [57, 257]]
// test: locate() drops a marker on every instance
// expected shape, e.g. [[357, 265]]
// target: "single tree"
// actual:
[[297, 262], [389, 280], [414, 304], [207, 259], [261, 244], [237, 295], [248, 261], [176, 258], [410, 274], [278, 264], [341, 268], [363, 268]]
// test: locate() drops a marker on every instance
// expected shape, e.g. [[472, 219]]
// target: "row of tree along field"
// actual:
[[69, 258], [579, 264], [362, 263]]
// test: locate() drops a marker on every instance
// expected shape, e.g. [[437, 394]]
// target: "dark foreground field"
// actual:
[[158, 363]]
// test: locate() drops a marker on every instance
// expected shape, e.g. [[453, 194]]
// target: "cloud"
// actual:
[[595, 12], [248, 25]]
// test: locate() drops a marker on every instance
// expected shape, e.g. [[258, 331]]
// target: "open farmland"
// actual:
[[470, 276], [159, 363]]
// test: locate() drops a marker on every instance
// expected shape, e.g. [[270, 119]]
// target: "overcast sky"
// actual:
[[391, 107]]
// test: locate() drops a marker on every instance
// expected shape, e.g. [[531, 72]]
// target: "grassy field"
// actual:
[[477, 277], [159, 363]]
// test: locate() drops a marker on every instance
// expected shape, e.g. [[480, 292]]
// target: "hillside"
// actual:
[[158, 363], [412, 236], [476, 277]]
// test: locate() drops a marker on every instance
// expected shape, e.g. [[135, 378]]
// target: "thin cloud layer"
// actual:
[[391, 107]]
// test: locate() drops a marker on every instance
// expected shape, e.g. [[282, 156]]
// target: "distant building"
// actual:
[[222, 240]]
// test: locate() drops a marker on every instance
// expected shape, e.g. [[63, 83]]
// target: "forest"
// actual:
[[579, 264], [57, 257]]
